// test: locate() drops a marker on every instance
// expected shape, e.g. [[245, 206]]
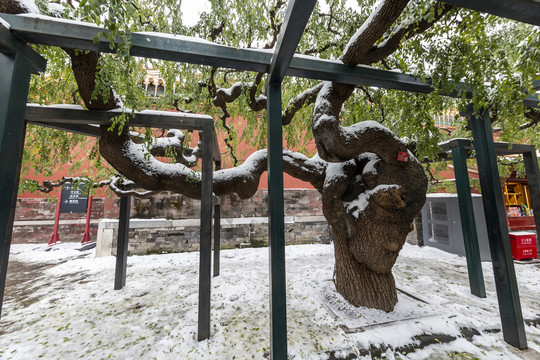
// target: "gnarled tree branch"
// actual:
[[147, 172]]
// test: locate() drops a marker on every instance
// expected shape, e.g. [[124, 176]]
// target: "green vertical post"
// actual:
[[205, 253], [468, 225], [217, 219], [14, 80], [122, 244], [276, 227], [533, 179], [497, 228]]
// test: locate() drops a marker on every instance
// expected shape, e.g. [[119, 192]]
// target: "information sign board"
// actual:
[[74, 198]]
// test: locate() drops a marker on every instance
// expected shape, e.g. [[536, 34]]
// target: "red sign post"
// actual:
[[86, 237], [72, 200], [55, 238]]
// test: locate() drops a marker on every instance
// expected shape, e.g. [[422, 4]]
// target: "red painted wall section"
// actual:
[[244, 150]]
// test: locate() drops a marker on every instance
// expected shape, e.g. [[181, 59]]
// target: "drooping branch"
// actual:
[[134, 161], [274, 25], [221, 97], [372, 102]]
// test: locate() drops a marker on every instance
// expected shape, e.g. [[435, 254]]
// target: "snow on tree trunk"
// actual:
[[370, 205]]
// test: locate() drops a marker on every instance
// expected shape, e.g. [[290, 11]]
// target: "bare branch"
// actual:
[[307, 97], [318, 50], [372, 30], [49, 185], [119, 186], [389, 45], [274, 25], [533, 115]]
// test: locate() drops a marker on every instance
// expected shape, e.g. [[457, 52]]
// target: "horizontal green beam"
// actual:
[[333, 70], [83, 129], [77, 35], [148, 118], [501, 148], [84, 122], [527, 11], [10, 44], [69, 34]]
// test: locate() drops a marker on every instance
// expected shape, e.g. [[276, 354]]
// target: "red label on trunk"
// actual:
[[403, 156]]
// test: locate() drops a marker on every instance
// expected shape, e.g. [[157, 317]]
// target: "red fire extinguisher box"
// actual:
[[523, 245]]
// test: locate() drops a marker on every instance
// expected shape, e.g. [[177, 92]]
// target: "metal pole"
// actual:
[[217, 220], [122, 243], [497, 228], [217, 235], [468, 225], [15, 80], [205, 262], [533, 179], [86, 237], [55, 238], [276, 227]]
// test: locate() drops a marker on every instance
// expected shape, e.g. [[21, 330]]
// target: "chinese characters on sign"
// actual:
[[74, 198]]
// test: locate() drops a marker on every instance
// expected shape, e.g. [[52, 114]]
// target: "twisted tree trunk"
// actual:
[[357, 283]]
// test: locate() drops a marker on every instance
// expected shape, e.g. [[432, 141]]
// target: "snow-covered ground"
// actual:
[[69, 310]]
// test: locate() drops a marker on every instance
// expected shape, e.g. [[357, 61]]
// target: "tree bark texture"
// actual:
[[358, 284]]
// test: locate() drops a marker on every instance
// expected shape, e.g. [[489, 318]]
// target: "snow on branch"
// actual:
[[404, 32], [306, 97], [337, 143], [136, 163], [172, 146], [19, 7], [360, 204], [49, 185], [118, 184], [123, 187]]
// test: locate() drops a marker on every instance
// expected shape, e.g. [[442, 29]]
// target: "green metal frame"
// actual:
[[296, 18], [486, 149], [279, 64], [67, 34], [466, 212], [17, 61], [499, 241], [527, 11], [122, 243]]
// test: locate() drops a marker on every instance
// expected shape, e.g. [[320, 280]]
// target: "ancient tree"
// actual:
[[372, 186]]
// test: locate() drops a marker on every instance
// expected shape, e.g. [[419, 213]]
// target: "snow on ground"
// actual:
[[69, 310]]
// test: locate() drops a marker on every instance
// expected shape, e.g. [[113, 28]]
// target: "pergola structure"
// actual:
[[76, 119], [18, 61], [459, 148]]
